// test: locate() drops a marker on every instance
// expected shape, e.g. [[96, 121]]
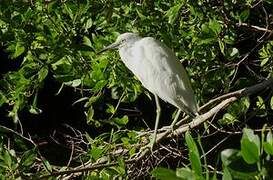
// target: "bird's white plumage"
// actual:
[[158, 69]]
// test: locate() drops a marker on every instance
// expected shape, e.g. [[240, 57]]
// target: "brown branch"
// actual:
[[253, 28], [84, 169], [5, 129], [223, 97], [196, 122], [242, 92], [233, 96], [226, 100]]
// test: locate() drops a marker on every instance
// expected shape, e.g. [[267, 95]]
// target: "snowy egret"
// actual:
[[159, 71]]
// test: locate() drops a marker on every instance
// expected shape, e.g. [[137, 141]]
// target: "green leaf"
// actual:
[[228, 119], [173, 13], [164, 174], [120, 122], [28, 158], [88, 24], [42, 73], [74, 83], [228, 155], [3, 99], [35, 110], [215, 26], [7, 159], [121, 167], [100, 85], [260, 103], [250, 146], [92, 100], [96, 152], [111, 109], [264, 61], [90, 114], [245, 103], [233, 161], [185, 173], [222, 46], [87, 42], [47, 165], [68, 10], [268, 145], [234, 52], [16, 49], [193, 154], [244, 15], [226, 175]]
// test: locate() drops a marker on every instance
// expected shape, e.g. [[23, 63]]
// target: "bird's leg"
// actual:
[[175, 119], [158, 111]]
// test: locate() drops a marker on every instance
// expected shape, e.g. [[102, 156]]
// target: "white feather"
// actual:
[[158, 69]]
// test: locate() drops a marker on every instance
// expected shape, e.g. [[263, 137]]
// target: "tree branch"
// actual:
[[226, 100], [253, 28], [242, 92]]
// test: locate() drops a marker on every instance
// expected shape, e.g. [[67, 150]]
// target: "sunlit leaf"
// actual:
[[163, 173], [244, 15], [250, 146], [185, 173], [28, 158], [96, 152], [268, 144], [74, 83], [173, 13], [193, 154], [120, 121], [42, 74], [226, 175]]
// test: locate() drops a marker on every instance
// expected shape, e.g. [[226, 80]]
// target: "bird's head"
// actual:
[[122, 40]]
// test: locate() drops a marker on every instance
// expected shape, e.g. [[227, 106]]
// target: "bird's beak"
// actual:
[[111, 46]]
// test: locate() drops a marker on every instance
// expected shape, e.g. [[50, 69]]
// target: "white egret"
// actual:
[[159, 70]]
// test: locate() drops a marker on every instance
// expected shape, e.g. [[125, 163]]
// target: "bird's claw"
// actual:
[[150, 145]]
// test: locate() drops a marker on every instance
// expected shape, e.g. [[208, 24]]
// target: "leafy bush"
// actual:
[[246, 163], [224, 45]]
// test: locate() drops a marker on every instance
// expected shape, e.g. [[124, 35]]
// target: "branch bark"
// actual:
[[226, 100], [253, 28]]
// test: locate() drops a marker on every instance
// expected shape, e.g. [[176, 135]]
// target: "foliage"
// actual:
[[246, 163], [223, 45], [16, 165]]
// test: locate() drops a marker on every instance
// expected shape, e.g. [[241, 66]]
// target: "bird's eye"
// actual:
[[123, 40]]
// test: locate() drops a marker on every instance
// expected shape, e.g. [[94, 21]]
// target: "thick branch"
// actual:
[[242, 92], [83, 169], [226, 100], [204, 117], [196, 122]]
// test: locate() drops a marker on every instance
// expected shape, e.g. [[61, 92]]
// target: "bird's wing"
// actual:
[[160, 72]]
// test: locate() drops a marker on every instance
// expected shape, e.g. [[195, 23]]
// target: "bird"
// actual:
[[159, 71]]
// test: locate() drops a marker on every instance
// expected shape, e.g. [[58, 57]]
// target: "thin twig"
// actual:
[[254, 28], [228, 99], [17, 134], [84, 169]]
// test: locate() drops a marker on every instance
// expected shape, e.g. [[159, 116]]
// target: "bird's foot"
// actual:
[[150, 145]]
